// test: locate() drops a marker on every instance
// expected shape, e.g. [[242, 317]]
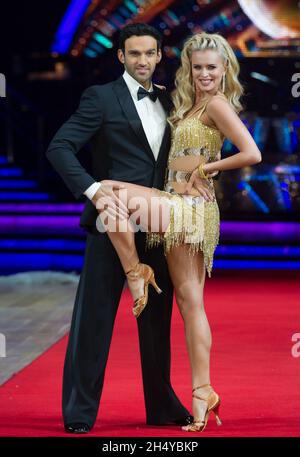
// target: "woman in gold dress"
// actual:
[[182, 217]]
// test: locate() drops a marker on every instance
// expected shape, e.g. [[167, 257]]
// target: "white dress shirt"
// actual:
[[152, 116]]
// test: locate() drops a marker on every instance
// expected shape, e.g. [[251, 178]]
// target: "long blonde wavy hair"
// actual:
[[184, 94]]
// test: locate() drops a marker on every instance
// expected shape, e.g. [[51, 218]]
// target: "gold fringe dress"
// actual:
[[193, 220]]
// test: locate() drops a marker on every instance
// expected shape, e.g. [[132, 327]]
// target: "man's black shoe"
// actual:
[[77, 427]]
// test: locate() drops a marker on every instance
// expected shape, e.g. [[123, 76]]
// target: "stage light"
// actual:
[[131, 6], [97, 47], [11, 172], [117, 20], [258, 202], [257, 251], [68, 25], [172, 51], [125, 12], [89, 53], [263, 78], [48, 244], [286, 195], [278, 192], [173, 17], [103, 40], [24, 196], [258, 264], [225, 19], [274, 19], [287, 169]]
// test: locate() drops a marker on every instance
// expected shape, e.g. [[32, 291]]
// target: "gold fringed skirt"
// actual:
[[193, 221]]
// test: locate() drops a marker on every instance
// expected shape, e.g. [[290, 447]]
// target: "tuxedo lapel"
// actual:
[[165, 99], [166, 102], [131, 113], [165, 142]]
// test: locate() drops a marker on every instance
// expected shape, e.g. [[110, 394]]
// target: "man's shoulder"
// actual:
[[99, 93], [100, 88]]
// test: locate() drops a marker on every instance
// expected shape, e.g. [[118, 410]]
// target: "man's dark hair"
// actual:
[[138, 29]]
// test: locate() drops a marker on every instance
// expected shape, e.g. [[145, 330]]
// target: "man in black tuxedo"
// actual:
[[125, 122]]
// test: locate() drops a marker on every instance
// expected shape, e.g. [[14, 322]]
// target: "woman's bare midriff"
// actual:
[[187, 164]]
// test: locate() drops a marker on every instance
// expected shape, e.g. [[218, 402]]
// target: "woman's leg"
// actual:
[[188, 276], [146, 208], [148, 211]]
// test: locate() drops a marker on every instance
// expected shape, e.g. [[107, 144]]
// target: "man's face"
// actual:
[[140, 58]]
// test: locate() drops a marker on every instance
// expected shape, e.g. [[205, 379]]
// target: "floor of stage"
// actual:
[[35, 312], [254, 316]]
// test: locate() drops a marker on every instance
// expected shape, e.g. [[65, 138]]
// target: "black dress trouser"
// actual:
[[97, 299]]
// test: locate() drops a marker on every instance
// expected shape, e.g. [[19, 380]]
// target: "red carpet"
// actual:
[[253, 316]]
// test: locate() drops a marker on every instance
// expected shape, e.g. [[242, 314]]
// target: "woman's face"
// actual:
[[207, 71]]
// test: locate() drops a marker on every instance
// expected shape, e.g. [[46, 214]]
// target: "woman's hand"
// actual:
[[160, 87], [209, 174], [201, 185]]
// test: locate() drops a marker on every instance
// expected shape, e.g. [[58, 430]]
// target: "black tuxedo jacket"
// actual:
[[107, 118]]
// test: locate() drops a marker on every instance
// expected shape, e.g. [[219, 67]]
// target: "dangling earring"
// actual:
[[223, 83]]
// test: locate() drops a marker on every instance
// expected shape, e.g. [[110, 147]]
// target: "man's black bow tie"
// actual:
[[144, 93]]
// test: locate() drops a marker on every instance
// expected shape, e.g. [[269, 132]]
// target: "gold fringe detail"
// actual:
[[211, 233], [193, 134], [196, 225], [193, 221]]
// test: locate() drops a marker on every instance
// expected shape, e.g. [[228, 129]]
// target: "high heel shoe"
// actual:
[[213, 404], [138, 279]]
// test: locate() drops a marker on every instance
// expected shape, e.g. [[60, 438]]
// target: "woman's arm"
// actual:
[[228, 122]]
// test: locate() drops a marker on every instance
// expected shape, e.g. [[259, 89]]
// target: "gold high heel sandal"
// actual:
[[139, 279], [213, 404]]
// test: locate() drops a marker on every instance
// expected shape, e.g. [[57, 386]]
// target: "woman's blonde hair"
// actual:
[[184, 94]]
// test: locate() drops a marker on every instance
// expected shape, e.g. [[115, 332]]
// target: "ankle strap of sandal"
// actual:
[[199, 387], [198, 396], [132, 269]]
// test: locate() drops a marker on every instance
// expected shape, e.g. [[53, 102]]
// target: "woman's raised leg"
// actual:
[[147, 211]]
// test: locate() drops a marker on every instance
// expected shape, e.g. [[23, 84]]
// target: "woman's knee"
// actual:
[[189, 299]]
